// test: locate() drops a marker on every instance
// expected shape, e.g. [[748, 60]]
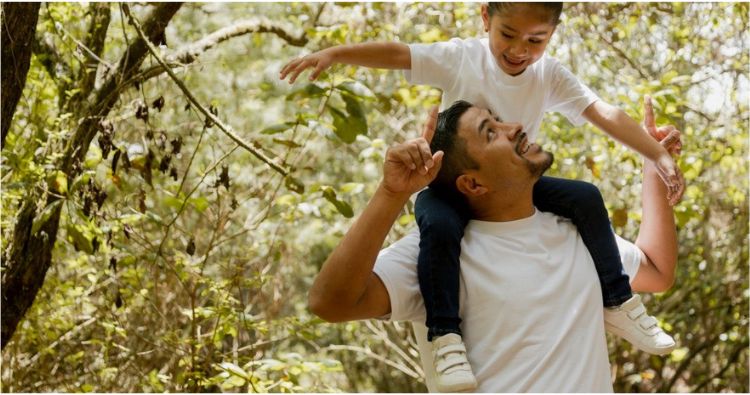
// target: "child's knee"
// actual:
[[589, 195]]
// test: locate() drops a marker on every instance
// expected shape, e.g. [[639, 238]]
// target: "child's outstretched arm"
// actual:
[[619, 125], [388, 55]]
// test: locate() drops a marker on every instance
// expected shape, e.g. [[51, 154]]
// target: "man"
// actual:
[[530, 298]]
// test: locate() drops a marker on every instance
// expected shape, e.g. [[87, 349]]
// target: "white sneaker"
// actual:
[[631, 322], [451, 366]]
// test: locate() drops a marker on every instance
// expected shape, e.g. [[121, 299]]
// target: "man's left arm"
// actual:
[[657, 237]]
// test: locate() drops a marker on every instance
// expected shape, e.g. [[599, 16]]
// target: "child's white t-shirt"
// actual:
[[466, 70], [533, 319]]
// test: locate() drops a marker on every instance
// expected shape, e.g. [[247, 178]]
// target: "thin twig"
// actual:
[[224, 128], [69, 334], [619, 51], [366, 351], [388, 342], [732, 359]]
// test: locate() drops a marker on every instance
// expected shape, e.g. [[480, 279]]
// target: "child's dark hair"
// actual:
[[456, 159], [554, 9]]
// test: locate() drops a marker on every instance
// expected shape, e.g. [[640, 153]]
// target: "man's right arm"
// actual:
[[383, 55], [346, 287]]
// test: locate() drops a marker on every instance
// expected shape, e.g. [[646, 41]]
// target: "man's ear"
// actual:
[[486, 17], [470, 185]]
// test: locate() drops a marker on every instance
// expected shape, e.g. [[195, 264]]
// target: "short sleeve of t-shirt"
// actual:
[[396, 266], [567, 94], [631, 256], [436, 64]]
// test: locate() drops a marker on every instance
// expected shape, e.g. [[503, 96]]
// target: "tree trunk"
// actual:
[[17, 28], [30, 254]]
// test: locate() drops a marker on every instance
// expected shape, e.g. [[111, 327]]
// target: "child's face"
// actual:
[[518, 36]]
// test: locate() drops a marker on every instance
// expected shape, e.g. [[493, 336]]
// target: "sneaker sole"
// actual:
[[651, 350], [463, 387]]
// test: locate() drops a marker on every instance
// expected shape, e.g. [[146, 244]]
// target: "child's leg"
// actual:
[[441, 223], [583, 204]]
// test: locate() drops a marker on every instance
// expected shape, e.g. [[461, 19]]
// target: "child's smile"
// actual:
[[518, 40]]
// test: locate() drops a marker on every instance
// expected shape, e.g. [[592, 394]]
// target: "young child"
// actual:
[[510, 74]]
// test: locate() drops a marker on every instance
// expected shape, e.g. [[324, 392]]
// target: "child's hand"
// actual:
[[668, 171], [320, 60]]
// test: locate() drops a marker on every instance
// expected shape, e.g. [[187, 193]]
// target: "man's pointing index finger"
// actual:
[[429, 126]]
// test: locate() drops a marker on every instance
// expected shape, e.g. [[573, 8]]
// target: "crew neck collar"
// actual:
[[492, 226]]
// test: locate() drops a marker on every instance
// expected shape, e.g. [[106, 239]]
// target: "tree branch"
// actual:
[[619, 51], [94, 42], [133, 56], [108, 94], [191, 52], [667, 387], [48, 57], [17, 35], [367, 352], [253, 149], [730, 361]]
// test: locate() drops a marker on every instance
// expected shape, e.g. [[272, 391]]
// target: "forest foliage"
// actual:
[[181, 260]]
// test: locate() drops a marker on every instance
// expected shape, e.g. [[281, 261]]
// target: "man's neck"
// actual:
[[502, 206]]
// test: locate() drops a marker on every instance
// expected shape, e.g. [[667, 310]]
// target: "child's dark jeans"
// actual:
[[442, 220]]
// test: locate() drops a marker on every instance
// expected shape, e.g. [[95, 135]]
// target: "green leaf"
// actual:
[[58, 182], [294, 184], [173, 202], [354, 108], [352, 187], [44, 216], [200, 203], [287, 143], [309, 90], [93, 157], [234, 369], [350, 124], [342, 207], [80, 240], [356, 88], [341, 127], [82, 179], [279, 128]]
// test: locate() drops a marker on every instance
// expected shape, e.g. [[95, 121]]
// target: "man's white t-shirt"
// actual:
[[530, 301], [466, 70]]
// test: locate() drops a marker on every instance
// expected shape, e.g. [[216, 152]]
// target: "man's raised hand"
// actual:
[[665, 165], [411, 166]]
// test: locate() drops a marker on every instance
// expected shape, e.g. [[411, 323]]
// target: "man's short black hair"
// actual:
[[456, 159], [554, 8]]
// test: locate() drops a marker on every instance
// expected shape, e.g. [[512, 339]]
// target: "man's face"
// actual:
[[518, 37], [501, 149]]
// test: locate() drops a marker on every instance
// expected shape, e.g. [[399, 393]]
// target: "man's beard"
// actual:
[[538, 168]]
